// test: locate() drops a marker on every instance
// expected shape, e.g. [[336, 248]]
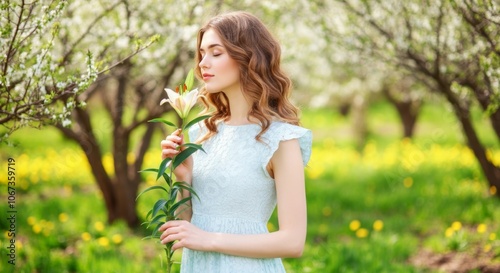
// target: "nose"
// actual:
[[203, 63]]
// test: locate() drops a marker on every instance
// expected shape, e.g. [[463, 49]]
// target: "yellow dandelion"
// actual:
[[19, 244], [31, 220], [103, 241], [481, 228], [86, 236], [449, 232], [456, 226], [493, 190], [492, 236], [99, 226], [117, 239], [362, 233], [327, 211], [408, 182], [354, 225], [63, 217], [487, 248], [37, 228], [378, 225]]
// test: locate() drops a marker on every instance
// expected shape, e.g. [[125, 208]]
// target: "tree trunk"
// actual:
[[407, 110], [491, 172], [360, 127], [409, 120], [484, 98], [119, 193]]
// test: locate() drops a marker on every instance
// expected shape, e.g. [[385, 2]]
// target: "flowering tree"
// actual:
[[326, 65], [446, 45], [40, 78]]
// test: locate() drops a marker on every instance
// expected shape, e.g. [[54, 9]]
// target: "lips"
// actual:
[[206, 76]]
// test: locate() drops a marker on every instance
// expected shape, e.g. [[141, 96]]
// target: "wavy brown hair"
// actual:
[[258, 55]]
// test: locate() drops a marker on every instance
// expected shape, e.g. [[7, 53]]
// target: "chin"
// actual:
[[212, 90]]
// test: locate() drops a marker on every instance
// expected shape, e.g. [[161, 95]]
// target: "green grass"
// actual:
[[417, 189]]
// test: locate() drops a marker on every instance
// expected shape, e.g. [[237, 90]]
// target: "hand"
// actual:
[[170, 148], [186, 235]]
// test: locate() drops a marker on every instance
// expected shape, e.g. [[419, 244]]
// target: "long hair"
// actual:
[[258, 55]]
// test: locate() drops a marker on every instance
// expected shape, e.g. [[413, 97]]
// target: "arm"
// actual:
[[288, 241]]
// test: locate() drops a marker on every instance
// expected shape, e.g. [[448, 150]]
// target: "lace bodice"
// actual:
[[237, 194]]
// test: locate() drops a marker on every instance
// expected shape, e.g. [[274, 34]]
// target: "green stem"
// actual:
[[168, 246], [169, 260]]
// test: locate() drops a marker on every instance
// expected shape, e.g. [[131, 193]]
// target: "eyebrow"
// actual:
[[211, 46]]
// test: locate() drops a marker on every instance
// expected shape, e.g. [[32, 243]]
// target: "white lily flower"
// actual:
[[182, 103]]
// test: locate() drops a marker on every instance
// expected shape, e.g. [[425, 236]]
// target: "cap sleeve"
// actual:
[[280, 131]]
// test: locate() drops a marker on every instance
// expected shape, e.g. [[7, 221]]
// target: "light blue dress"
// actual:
[[237, 194]]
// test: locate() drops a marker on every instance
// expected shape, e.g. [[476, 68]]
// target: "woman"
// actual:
[[255, 156]]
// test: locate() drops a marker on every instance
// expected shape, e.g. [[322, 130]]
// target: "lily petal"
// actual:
[[172, 94], [164, 101]]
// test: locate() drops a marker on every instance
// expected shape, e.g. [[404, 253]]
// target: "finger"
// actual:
[[169, 153], [174, 137], [171, 238], [177, 132], [179, 136], [169, 231], [165, 144], [177, 245], [163, 227], [169, 224]]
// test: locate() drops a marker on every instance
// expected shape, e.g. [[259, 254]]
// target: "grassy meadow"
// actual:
[[391, 206]]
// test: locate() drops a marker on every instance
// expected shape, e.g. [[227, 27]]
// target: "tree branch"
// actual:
[[68, 54]]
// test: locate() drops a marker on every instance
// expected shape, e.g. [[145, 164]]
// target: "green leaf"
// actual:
[[185, 186], [157, 220], [189, 80], [163, 167], [173, 195], [182, 156], [151, 237], [158, 206], [149, 170], [178, 204], [179, 211], [163, 121], [167, 178], [150, 189], [194, 121], [149, 213], [155, 231], [193, 145]]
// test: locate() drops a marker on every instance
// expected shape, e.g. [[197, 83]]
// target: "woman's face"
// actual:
[[219, 71]]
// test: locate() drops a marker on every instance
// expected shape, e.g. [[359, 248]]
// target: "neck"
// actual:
[[240, 108]]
